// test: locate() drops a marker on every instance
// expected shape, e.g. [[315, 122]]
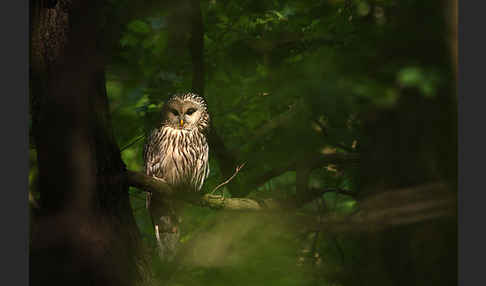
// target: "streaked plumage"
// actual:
[[177, 152], [180, 155]]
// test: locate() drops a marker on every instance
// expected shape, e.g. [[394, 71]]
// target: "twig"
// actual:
[[385, 209], [238, 168], [326, 134], [131, 143], [313, 163]]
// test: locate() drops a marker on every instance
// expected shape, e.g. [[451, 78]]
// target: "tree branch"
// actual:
[[131, 143], [393, 208], [150, 184], [313, 163], [389, 208], [238, 168]]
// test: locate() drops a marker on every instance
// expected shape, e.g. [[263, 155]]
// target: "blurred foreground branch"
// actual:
[[393, 208], [388, 208], [150, 184]]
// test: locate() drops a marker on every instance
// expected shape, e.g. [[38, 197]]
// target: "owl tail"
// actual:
[[167, 242], [166, 221]]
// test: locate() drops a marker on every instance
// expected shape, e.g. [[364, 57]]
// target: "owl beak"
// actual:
[[182, 122]]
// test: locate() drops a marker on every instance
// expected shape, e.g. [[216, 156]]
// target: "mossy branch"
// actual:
[[150, 184], [388, 208]]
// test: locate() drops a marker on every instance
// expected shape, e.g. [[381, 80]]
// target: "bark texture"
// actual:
[[85, 233]]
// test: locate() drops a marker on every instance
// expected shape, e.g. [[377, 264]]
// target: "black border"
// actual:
[[14, 23], [472, 143]]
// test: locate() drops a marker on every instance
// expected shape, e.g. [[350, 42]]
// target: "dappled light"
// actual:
[[332, 142]]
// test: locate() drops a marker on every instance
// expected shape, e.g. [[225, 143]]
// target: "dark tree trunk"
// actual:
[[85, 233], [412, 144], [226, 160], [197, 47]]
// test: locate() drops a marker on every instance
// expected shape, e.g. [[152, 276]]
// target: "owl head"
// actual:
[[186, 112]]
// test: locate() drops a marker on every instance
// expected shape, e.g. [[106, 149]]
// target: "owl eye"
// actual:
[[190, 111], [174, 111]]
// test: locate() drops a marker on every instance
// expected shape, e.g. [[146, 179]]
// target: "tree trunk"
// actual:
[[227, 160], [85, 233], [412, 144]]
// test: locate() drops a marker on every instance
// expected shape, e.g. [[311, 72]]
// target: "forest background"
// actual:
[[342, 112]]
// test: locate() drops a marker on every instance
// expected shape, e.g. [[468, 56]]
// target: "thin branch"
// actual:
[[133, 142], [312, 163], [323, 128], [326, 134], [226, 159], [238, 168]]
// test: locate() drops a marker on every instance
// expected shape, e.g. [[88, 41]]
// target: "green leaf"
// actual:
[[139, 26], [426, 81]]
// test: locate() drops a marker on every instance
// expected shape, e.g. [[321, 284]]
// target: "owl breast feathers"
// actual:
[[177, 151]]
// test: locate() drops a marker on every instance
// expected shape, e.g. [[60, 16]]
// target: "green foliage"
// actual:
[[415, 77], [284, 79], [238, 249]]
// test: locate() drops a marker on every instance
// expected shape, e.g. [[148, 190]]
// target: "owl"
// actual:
[[177, 153]]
